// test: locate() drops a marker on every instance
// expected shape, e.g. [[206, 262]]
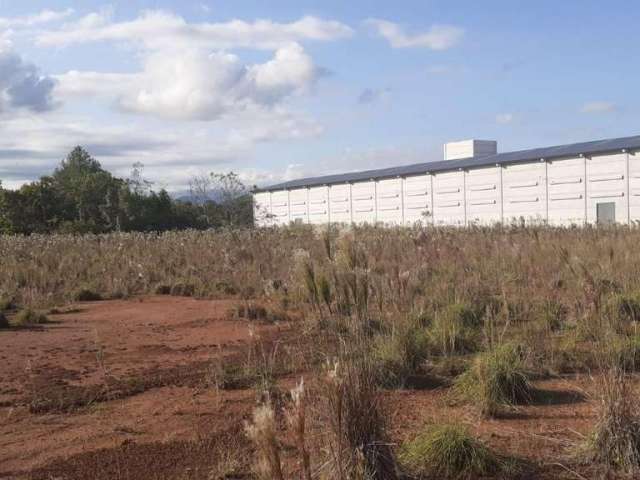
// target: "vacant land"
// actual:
[[498, 353]]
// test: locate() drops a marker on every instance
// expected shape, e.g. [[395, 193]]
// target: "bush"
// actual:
[[28, 317], [87, 295], [454, 331], [448, 452], [496, 379]]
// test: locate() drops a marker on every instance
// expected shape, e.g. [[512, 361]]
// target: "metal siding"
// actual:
[[363, 201], [566, 192], [318, 205], [417, 199], [340, 203], [448, 198], [298, 211], [634, 186], [606, 182], [483, 196], [280, 207], [389, 201], [524, 192]]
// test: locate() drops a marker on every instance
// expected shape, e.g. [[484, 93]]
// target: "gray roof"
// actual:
[[560, 151]]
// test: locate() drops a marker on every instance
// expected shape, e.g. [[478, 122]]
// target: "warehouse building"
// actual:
[[576, 184]]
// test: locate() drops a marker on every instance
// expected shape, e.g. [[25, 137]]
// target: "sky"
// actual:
[[285, 89]]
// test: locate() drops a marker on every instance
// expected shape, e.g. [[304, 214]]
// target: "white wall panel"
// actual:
[[389, 204], [417, 199], [340, 203], [448, 198], [298, 205], [261, 208], [607, 182], [280, 207], [634, 186], [318, 205], [363, 202], [524, 192], [483, 196], [566, 190]]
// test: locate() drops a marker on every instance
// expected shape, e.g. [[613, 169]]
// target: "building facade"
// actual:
[[576, 184]]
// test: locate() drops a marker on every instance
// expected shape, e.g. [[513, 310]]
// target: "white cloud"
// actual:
[[172, 152], [438, 37], [598, 107], [504, 118], [45, 16], [194, 85], [159, 29]]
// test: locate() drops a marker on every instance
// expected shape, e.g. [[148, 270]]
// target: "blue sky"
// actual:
[[281, 89]]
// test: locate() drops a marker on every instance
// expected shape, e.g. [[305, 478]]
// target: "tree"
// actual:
[[89, 190]]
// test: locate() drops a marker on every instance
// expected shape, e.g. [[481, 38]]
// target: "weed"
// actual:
[[262, 432]]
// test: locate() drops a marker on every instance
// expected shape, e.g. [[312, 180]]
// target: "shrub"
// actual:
[[496, 379], [28, 317], [87, 295], [454, 331], [448, 452]]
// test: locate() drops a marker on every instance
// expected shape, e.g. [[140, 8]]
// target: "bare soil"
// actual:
[[118, 390], [119, 373]]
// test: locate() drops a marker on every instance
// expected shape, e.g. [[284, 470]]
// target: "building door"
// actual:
[[606, 213]]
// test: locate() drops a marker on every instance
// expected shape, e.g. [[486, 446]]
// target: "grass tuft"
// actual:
[[495, 380], [448, 452], [615, 441], [29, 317]]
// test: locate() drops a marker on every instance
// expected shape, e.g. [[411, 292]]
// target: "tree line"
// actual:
[[82, 197]]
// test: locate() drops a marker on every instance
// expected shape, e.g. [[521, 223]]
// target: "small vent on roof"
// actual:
[[470, 148]]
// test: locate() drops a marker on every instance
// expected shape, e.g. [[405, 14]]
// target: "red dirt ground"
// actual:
[[169, 427], [121, 339]]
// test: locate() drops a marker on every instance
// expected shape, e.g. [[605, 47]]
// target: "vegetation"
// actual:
[[81, 197], [449, 452], [28, 317], [490, 309], [495, 380]]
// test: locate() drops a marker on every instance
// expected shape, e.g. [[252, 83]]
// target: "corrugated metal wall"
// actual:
[[560, 191]]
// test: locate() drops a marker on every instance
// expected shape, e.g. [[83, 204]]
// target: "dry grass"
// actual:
[[379, 306]]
